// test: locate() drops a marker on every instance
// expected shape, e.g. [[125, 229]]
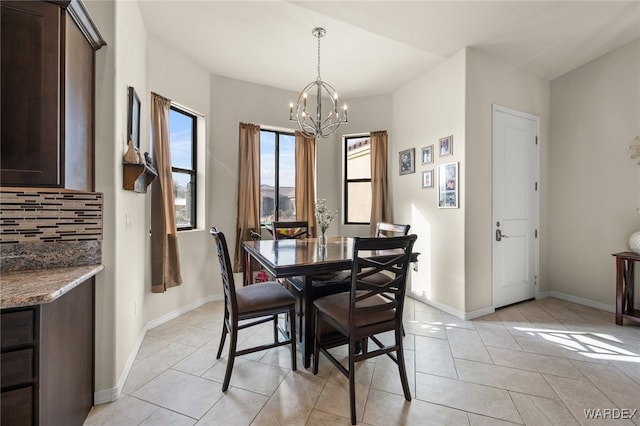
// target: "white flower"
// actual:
[[323, 215]]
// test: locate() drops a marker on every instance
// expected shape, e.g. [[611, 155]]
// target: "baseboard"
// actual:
[[455, 312], [581, 301], [105, 396]]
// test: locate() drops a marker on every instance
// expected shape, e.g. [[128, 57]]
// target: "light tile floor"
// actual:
[[542, 362]]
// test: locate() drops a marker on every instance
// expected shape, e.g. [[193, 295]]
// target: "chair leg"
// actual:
[[275, 329], [232, 357], [352, 379], [401, 365], [300, 317], [316, 346], [292, 337], [222, 339]]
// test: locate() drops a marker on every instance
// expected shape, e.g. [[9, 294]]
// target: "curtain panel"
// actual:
[[165, 260], [380, 202], [306, 180], [248, 188]]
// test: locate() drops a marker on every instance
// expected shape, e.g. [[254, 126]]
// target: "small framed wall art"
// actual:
[[427, 179], [133, 121], [446, 146], [407, 161], [448, 186], [427, 155]]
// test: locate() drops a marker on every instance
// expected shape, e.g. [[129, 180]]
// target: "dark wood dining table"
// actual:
[[303, 258]]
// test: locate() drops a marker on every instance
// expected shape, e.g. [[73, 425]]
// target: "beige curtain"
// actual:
[[380, 202], [165, 262], [248, 188], [305, 180]]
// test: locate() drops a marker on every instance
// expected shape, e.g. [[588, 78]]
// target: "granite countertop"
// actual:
[[36, 287]]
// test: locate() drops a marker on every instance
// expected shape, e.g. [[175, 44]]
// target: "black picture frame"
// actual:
[[133, 120], [406, 160]]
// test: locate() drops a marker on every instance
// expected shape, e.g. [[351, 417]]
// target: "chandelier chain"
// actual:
[[318, 35]]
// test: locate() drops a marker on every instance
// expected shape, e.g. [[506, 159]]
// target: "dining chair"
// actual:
[[259, 303], [367, 310], [283, 230], [321, 284], [386, 229]]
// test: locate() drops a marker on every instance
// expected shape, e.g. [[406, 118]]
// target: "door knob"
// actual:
[[500, 235]]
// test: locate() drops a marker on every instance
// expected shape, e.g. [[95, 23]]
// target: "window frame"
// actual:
[[193, 172], [277, 133], [347, 181]]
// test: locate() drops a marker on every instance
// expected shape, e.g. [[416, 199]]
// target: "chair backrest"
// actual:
[[228, 284], [386, 229], [290, 230], [395, 264]]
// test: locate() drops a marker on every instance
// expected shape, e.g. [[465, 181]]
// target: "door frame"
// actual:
[[536, 210]]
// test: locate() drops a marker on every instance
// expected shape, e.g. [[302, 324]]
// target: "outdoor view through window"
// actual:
[[277, 176], [357, 185], [182, 137]]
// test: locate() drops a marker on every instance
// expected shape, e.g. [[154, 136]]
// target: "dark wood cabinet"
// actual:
[[30, 93], [47, 363], [47, 94]]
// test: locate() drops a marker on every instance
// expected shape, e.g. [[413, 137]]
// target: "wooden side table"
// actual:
[[625, 286]]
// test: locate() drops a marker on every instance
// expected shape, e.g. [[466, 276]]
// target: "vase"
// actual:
[[634, 242], [322, 240]]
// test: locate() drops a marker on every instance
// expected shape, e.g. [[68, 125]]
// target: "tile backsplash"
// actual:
[[48, 228]]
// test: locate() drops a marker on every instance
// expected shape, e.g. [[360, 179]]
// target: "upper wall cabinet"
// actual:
[[47, 93]]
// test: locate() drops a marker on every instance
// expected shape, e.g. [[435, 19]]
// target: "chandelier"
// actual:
[[327, 117]]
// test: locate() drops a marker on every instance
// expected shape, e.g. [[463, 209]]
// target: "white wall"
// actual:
[[594, 185], [103, 14], [424, 111], [186, 84], [124, 302], [491, 82]]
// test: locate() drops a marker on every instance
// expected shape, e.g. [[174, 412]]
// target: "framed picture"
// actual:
[[133, 121], [407, 161], [446, 146], [427, 179], [448, 186], [427, 154]]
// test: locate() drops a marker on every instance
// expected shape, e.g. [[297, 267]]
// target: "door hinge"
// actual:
[[535, 233], [536, 140], [536, 186], [535, 280]]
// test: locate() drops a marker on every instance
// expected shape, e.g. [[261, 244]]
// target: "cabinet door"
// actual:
[[78, 120], [30, 93]]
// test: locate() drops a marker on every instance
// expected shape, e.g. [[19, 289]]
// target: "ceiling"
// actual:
[[375, 47]]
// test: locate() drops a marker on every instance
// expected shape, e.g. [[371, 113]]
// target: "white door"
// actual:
[[515, 206]]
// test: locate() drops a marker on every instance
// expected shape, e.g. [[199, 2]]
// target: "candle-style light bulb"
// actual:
[[290, 110], [344, 111], [304, 96]]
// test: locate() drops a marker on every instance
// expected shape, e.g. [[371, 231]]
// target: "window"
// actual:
[[277, 176], [182, 139], [357, 184]]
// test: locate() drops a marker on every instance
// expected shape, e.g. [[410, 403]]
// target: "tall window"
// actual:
[[357, 184], [183, 137], [277, 176]]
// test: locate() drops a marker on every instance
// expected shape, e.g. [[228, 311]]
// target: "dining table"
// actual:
[[304, 258]]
